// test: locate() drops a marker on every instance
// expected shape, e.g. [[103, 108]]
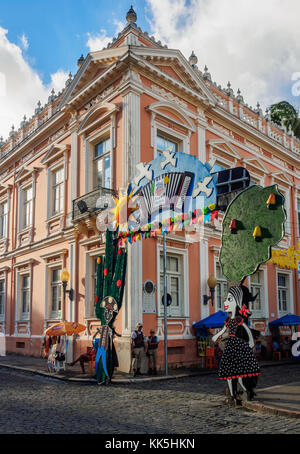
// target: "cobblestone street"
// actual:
[[192, 405]]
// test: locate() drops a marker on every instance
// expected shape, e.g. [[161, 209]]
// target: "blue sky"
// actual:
[[254, 44], [57, 30]]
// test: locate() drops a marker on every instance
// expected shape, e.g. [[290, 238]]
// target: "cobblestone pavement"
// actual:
[[191, 405]]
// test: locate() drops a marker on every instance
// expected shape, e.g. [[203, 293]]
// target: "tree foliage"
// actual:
[[284, 113]]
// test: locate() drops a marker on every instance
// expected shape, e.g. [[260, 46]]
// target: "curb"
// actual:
[[125, 380], [94, 381], [261, 408]]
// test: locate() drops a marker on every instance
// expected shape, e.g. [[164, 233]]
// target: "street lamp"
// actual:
[[211, 282], [64, 277]]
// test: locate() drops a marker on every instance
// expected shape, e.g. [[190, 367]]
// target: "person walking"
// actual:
[[138, 348], [152, 352]]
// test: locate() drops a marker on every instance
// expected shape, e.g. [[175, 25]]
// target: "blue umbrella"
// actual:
[[286, 320], [215, 320]]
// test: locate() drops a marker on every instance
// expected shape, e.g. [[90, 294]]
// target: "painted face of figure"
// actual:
[[234, 299], [230, 305], [110, 306]]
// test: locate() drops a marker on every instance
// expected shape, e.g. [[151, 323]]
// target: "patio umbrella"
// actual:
[[75, 328], [286, 320], [215, 320], [64, 328]]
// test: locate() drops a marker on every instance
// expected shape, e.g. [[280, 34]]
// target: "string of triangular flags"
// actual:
[[172, 224]]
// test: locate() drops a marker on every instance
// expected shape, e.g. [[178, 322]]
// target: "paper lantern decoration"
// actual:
[[233, 225], [257, 233], [271, 201]]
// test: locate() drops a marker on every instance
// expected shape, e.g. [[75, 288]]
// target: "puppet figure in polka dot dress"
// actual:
[[238, 363]]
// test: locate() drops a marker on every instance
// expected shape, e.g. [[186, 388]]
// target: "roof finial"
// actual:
[[239, 97], [229, 90], [80, 60], [193, 60], [131, 16], [206, 74]]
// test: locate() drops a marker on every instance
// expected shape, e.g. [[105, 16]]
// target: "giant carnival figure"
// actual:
[[111, 270], [253, 223], [238, 363]]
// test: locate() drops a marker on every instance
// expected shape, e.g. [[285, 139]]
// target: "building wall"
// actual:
[[134, 110]]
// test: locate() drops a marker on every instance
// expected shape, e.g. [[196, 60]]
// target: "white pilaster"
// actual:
[[74, 167], [204, 290], [201, 144], [132, 304]]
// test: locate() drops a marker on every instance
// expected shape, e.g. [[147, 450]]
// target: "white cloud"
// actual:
[[20, 86], [253, 44], [24, 41], [100, 40]]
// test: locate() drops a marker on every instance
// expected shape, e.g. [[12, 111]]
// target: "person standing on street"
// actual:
[[152, 352], [138, 348]]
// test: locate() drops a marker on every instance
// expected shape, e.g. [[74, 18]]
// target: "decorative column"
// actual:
[[203, 249], [132, 303]]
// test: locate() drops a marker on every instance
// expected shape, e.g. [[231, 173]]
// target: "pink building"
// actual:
[[124, 104]]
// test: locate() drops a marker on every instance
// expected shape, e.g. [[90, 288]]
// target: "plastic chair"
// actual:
[[275, 354], [209, 357]]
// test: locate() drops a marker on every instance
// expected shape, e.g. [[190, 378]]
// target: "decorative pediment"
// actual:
[[257, 164], [25, 172], [282, 177], [97, 68], [172, 66], [224, 147], [99, 113], [170, 111], [54, 152]]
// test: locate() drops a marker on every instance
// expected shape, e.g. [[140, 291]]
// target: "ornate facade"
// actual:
[[125, 103]]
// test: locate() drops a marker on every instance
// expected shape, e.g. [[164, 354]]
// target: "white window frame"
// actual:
[[222, 281], [55, 315], [184, 282], [90, 143], [102, 158], [57, 187], [286, 192], [298, 215], [4, 230], [3, 296], [262, 313], [61, 163], [289, 308], [23, 188], [91, 255], [182, 141], [20, 315], [26, 290], [57, 264]]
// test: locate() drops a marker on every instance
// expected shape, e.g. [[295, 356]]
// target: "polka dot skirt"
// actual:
[[238, 359]]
